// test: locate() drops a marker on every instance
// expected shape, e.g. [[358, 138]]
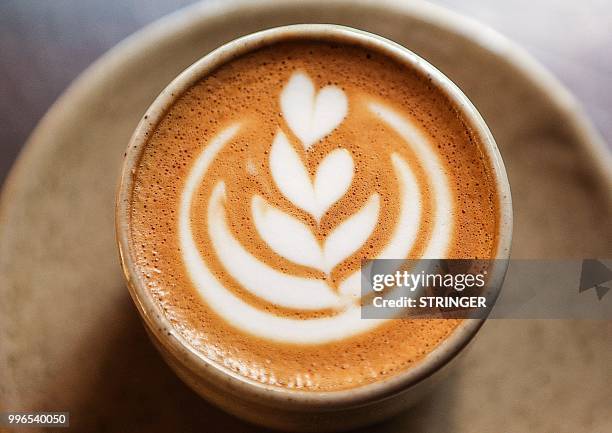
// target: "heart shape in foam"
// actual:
[[331, 181], [312, 116]]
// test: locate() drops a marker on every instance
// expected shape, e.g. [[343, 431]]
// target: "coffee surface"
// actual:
[[267, 182]]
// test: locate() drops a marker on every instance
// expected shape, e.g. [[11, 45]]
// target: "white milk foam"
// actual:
[[311, 116]]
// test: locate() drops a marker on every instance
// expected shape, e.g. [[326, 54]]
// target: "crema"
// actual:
[[268, 182]]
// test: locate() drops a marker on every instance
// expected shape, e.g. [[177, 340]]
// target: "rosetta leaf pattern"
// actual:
[[351, 234], [311, 116], [289, 237], [284, 233], [331, 181]]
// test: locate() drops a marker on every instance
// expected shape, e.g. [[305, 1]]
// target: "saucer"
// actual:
[[70, 338]]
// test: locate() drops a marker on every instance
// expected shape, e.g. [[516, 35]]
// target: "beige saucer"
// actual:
[[71, 340]]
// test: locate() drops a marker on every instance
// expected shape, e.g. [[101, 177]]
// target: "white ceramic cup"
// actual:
[[270, 405]]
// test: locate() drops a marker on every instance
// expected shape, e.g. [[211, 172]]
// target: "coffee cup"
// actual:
[[305, 165]]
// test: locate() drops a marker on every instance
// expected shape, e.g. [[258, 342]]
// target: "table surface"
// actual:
[[45, 44]]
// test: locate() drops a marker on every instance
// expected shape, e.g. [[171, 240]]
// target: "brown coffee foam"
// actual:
[[248, 90]]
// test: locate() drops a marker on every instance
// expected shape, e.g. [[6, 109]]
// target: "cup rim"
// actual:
[[173, 341]]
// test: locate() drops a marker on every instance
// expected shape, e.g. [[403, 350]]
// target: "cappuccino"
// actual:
[[265, 185]]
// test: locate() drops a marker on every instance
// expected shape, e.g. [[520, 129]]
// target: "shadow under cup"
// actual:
[[270, 405]]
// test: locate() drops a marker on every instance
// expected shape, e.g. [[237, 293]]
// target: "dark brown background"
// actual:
[[45, 44]]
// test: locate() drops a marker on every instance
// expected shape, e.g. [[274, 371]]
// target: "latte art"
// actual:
[[310, 116], [268, 183]]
